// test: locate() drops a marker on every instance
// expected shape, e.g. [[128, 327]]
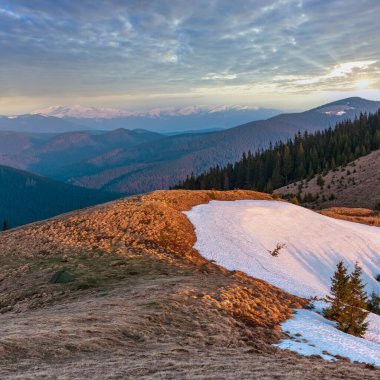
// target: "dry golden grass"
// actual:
[[144, 304], [357, 215]]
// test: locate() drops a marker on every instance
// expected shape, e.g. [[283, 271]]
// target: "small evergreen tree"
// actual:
[[320, 181], [295, 200], [354, 313], [374, 303], [348, 301], [339, 293], [5, 225]]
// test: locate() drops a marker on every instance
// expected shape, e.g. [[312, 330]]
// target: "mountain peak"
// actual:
[[347, 105], [80, 112]]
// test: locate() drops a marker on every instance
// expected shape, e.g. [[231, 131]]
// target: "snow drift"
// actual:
[[239, 234]]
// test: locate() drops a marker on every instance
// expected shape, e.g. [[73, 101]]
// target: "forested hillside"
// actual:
[[356, 184], [302, 157], [25, 197]]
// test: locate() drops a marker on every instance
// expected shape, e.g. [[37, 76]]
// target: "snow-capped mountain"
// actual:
[[166, 120], [81, 112]]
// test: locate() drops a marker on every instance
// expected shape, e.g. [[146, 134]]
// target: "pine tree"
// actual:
[[339, 293], [354, 313], [287, 163], [5, 224], [374, 303]]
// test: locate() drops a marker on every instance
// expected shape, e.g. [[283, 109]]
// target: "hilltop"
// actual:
[[144, 302]]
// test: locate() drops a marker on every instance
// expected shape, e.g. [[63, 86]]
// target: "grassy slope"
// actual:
[[144, 303]]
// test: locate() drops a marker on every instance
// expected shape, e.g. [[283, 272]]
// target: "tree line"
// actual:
[[299, 158]]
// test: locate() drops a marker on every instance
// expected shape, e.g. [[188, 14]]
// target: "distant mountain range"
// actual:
[[58, 119], [25, 197], [125, 161], [80, 112]]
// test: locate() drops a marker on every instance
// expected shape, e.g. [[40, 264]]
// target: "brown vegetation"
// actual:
[[144, 303], [357, 215]]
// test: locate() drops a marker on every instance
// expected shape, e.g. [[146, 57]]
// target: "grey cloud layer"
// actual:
[[141, 46]]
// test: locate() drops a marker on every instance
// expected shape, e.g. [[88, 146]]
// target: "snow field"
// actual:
[[239, 235]]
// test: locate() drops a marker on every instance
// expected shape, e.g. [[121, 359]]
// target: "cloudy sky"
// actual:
[[140, 54]]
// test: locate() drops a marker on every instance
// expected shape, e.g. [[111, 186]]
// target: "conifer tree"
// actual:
[[5, 225], [354, 312], [339, 293], [348, 301], [374, 303], [287, 163]]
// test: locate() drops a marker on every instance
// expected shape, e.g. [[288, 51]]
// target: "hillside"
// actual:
[[25, 197], [158, 162], [144, 303], [354, 185]]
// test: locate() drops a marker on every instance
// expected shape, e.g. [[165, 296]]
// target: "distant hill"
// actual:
[[356, 184], [38, 124], [46, 153], [25, 197]]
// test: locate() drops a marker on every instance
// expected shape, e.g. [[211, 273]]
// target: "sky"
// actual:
[[140, 54]]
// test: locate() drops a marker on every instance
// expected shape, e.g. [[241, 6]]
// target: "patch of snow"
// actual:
[[239, 235], [336, 113], [311, 334], [373, 331], [335, 110]]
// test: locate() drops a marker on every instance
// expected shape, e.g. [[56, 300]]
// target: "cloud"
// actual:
[[343, 74], [219, 76], [140, 48]]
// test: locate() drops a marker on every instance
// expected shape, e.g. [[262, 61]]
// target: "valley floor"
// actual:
[[144, 303]]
